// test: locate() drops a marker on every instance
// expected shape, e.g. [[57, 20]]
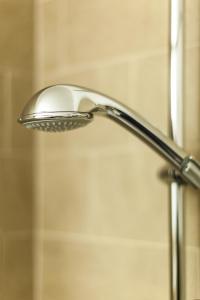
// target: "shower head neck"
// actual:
[[66, 107]]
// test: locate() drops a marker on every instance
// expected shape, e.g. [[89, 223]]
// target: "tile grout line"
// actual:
[[53, 235], [115, 150], [93, 238]]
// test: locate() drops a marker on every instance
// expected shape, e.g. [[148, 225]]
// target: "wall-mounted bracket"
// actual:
[[170, 175]]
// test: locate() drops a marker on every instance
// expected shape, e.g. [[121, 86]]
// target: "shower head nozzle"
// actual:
[[66, 107], [56, 123]]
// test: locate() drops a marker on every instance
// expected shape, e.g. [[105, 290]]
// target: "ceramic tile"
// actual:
[[66, 194], [192, 272], [93, 30], [113, 195], [148, 89], [16, 36], [192, 107], [192, 22], [51, 29], [192, 220], [128, 198], [104, 271], [16, 190], [18, 270]]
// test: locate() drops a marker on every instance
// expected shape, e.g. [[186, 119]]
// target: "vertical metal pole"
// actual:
[[176, 111]]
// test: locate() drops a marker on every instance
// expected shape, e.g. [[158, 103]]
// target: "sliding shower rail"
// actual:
[[176, 126]]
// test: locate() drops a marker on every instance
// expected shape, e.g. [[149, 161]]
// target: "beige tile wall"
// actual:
[[16, 151], [103, 224], [100, 216]]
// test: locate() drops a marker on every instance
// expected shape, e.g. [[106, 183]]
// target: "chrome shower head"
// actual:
[[54, 109], [66, 107]]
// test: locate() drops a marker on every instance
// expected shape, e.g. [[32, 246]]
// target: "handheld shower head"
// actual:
[[66, 107]]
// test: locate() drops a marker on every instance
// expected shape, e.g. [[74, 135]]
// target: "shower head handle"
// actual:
[[61, 107], [187, 166]]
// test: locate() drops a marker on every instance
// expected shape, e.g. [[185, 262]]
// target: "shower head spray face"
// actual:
[[66, 107], [53, 123]]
